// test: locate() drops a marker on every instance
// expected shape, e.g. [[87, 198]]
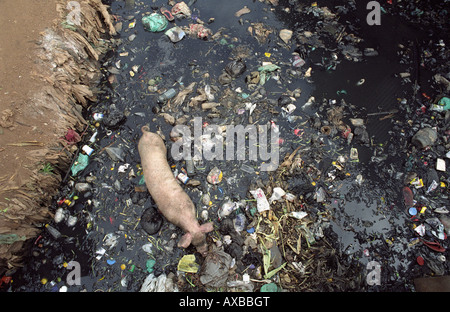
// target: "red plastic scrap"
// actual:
[[408, 197], [420, 260], [72, 137], [426, 96], [5, 279], [346, 132]]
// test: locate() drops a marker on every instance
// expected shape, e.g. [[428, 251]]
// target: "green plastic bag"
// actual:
[[272, 287], [445, 101], [150, 265], [155, 22], [80, 164], [264, 72]]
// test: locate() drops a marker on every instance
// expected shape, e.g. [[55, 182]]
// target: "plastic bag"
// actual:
[[265, 70], [235, 68], [81, 163], [215, 176], [175, 34], [155, 22], [162, 283], [115, 153], [226, 209], [262, 203], [201, 31], [181, 10], [214, 272], [277, 194], [187, 264]]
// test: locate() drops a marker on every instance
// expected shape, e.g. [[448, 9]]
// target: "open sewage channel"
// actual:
[[346, 99]]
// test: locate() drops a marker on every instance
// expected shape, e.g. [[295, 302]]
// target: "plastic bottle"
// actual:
[[208, 93], [52, 231], [247, 168], [167, 95], [98, 116], [93, 137], [190, 167]]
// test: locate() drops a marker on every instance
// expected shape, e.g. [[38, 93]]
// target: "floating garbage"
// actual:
[[155, 22], [181, 10], [215, 176], [214, 270], [81, 163], [277, 194], [116, 153], [298, 214], [265, 72], [226, 209], [442, 105], [261, 200], [235, 68], [175, 34], [424, 137], [298, 61], [200, 31], [187, 264], [286, 35], [162, 283]]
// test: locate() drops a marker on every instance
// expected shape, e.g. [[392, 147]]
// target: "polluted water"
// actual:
[[352, 202]]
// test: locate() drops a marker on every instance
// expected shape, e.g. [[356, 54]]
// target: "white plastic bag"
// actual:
[[277, 194], [261, 201]]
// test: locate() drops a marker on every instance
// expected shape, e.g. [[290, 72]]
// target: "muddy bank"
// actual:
[[67, 72]]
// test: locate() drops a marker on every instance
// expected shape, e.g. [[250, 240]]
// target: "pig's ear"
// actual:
[[185, 240], [207, 227]]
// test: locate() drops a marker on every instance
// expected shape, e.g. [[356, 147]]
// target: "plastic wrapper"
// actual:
[[155, 22], [262, 203]]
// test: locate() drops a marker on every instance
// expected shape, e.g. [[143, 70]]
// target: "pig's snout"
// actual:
[[197, 238]]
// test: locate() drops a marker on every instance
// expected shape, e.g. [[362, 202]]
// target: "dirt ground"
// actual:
[[21, 23]]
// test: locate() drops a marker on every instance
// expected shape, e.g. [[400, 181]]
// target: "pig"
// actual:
[[172, 201]]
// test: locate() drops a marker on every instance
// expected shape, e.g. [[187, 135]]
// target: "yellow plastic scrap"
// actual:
[[187, 264], [417, 182]]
